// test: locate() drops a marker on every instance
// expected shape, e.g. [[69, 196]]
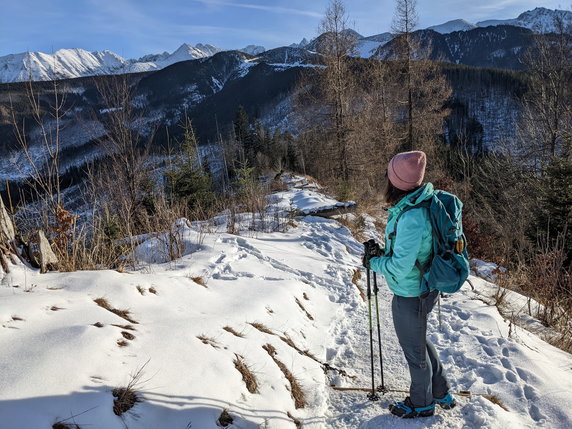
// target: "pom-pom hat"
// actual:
[[407, 169]]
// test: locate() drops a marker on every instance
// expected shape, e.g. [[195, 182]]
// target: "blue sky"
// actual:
[[133, 28]]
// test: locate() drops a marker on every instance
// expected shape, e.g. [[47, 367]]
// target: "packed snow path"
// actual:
[[62, 353]]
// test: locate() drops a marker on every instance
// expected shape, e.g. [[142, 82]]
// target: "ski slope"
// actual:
[[289, 288]]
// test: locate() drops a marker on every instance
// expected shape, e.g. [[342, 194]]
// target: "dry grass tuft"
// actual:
[[153, 290], [496, 400], [208, 341], [98, 325], [306, 296], [127, 335], [141, 290], [233, 332], [261, 328], [199, 280], [125, 399], [122, 343], [126, 327], [308, 315], [307, 353], [125, 314], [56, 308], [295, 390], [356, 277], [225, 419], [247, 375], [17, 319], [297, 422]]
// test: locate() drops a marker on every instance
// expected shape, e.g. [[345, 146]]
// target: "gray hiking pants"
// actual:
[[410, 320]]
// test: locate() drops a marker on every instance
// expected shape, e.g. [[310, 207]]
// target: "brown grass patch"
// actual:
[[17, 319], [297, 422], [308, 315], [261, 328], [233, 332], [125, 399], [306, 296], [295, 390], [225, 419], [207, 340], [122, 343], [153, 290], [98, 325], [356, 277], [126, 327], [496, 400], [307, 353], [127, 335], [56, 308], [247, 375], [325, 366], [199, 280], [124, 314], [141, 290]]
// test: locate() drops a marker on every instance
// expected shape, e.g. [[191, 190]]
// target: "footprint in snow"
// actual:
[[536, 414], [489, 351], [492, 375], [506, 363], [511, 376]]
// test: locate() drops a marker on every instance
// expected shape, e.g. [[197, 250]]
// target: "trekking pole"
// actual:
[[372, 396], [381, 388]]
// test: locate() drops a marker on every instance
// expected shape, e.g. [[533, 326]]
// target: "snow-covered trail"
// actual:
[[62, 354]]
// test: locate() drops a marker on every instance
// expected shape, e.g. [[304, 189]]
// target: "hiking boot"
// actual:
[[406, 409], [447, 402]]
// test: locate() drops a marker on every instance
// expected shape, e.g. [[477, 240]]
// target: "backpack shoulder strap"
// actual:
[[426, 204]]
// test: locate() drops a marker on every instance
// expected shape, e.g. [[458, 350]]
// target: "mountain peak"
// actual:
[[453, 25]]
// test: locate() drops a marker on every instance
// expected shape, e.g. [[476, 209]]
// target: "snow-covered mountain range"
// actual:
[[72, 63]]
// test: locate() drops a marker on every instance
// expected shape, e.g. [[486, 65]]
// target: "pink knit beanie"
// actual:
[[406, 170]]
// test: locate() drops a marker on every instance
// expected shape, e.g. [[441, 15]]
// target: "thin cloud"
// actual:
[[273, 9]]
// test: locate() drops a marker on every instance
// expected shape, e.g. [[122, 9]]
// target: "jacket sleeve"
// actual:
[[408, 238]]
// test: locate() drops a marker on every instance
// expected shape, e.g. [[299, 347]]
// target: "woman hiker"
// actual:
[[408, 245]]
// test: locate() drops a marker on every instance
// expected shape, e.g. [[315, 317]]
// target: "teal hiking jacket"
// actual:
[[412, 241]]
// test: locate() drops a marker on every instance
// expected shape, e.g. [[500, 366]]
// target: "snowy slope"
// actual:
[[540, 20], [296, 284], [454, 25]]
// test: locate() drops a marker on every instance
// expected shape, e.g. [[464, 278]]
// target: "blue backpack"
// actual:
[[449, 267]]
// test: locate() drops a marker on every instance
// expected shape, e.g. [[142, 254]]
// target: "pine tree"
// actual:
[[188, 181]]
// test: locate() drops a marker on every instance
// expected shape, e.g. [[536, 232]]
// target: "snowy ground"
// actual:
[[56, 365]]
